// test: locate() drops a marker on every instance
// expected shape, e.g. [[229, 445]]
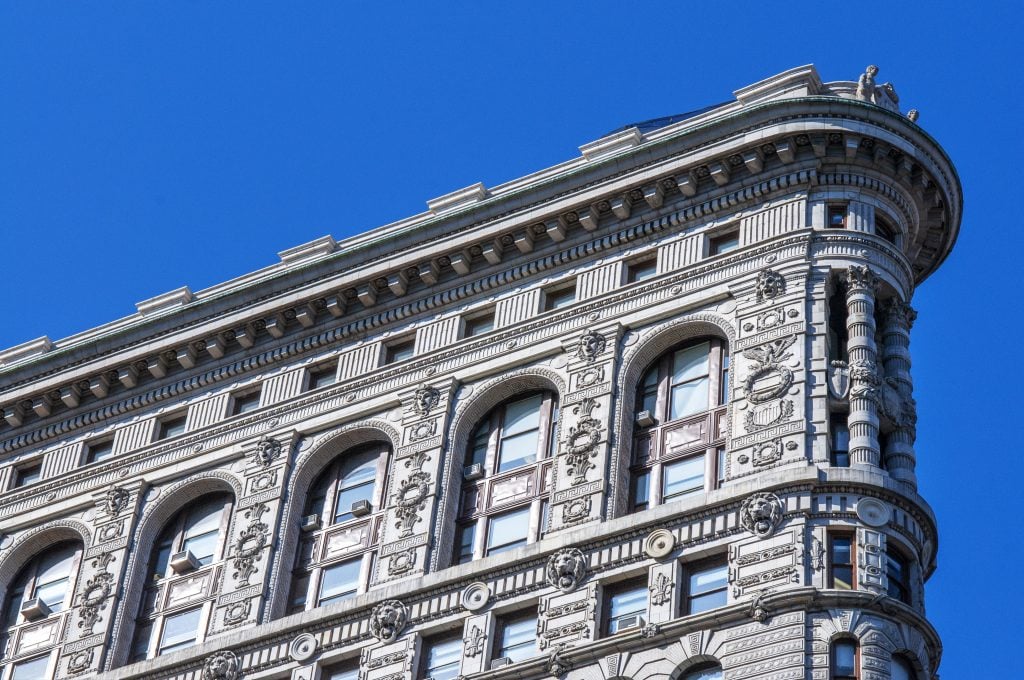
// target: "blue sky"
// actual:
[[145, 146]]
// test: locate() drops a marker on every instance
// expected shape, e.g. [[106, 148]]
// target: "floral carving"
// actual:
[[566, 569], [860, 278], [577, 510], [116, 500], [661, 590], [237, 612], [250, 543], [95, 592], [267, 450], [410, 500], [582, 441], [402, 562], [474, 641], [591, 344], [222, 665], [769, 379], [761, 514], [81, 661], [425, 399], [387, 620], [767, 452], [770, 285]]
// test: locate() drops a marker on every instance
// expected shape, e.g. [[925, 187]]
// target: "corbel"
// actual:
[[556, 229], [246, 336], [753, 160], [128, 375], [460, 263], [819, 144], [216, 346], [852, 143], [719, 173], [186, 356], [42, 405], [588, 218], [275, 325], [13, 415], [654, 195], [99, 385], [492, 252], [687, 184], [398, 283], [620, 206], [428, 273], [70, 395], [785, 150], [524, 241], [367, 294]]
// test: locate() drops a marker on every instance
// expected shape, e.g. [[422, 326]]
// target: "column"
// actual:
[[898, 318], [860, 326]]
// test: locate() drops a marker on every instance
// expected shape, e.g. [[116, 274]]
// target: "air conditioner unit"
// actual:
[[644, 419], [473, 472], [310, 523], [184, 562], [501, 662], [631, 622], [35, 609], [361, 508]]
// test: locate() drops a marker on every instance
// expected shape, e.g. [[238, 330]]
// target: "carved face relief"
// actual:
[[387, 620], [591, 344], [761, 514], [566, 569], [425, 399]]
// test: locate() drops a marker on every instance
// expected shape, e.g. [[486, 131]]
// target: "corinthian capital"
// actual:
[[899, 313], [860, 278]]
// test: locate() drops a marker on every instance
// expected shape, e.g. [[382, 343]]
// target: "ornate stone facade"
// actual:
[[251, 518]]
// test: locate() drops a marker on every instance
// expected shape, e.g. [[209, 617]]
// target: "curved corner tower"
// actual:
[[647, 414]]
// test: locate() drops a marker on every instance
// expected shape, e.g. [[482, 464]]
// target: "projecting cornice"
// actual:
[[709, 165]]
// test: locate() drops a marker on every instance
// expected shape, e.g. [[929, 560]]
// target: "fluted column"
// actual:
[[898, 318], [860, 328]]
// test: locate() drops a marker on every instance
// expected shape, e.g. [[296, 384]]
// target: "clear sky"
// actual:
[[145, 146]]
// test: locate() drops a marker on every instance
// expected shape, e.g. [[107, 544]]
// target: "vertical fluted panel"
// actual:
[[678, 254], [897, 320], [59, 461], [770, 223], [437, 335], [516, 308], [282, 387], [599, 280], [864, 382], [359, 360], [134, 436], [208, 411], [860, 217]]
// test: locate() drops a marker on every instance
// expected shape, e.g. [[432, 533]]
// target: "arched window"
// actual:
[[340, 528], [902, 669], [679, 436], [710, 671], [42, 588], [171, 615], [506, 477], [844, 659]]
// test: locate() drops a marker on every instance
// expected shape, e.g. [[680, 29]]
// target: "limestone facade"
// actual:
[[701, 333]]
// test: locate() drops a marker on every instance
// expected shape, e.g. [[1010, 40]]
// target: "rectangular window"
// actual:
[[97, 451], [625, 605], [840, 561], [346, 672], [140, 642], [682, 478], [520, 433], [898, 572], [172, 427], [516, 638], [837, 217], [339, 581], [641, 490], [33, 669], [707, 586], [321, 376], [641, 270], [441, 659], [180, 630], [508, 531], [559, 298], [28, 474], [464, 539], [689, 381], [844, 660], [719, 467], [839, 455], [478, 324], [719, 244], [245, 402], [399, 351]]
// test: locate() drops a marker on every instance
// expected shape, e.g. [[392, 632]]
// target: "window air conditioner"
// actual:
[[35, 609], [644, 419], [361, 508], [631, 622], [501, 662], [473, 472], [310, 523], [184, 562]]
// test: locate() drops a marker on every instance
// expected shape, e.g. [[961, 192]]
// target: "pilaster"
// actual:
[[860, 326]]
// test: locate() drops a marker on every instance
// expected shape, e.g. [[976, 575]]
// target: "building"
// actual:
[[643, 415]]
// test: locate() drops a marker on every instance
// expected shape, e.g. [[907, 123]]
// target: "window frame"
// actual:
[[559, 296], [851, 536], [311, 561], [904, 593], [479, 323], [637, 584], [652, 455], [833, 662], [646, 265], [103, 446], [399, 350], [433, 642], [504, 621], [27, 474], [245, 401], [320, 376], [840, 209], [162, 430], [720, 241], [838, 424], [691, 569], [10, 614], [478, 503]]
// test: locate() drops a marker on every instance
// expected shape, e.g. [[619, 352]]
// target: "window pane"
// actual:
[[641, 490], [522, 415], [34, 669], [508, 531], [690, 363], [346, 497], [172, 428], [708, 589], [443, 659], [204, 519], [346, 674], [180, 630], [626, 604], [683, 477], [140, 643], [901, 670], [689, 398], [339, 581], [517, 451], [53, 576], [706, 674], [844, 655], [517, 639], [464, 543]]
